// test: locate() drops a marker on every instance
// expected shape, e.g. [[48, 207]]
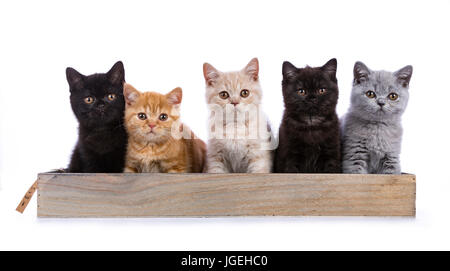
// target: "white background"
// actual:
[[163, 45]]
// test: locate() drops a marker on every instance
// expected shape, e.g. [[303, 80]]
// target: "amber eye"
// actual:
[[224, 95], [393, 96], [142, 116], [88, 100], [163, 117], [301, 92], [245, 93], [111, 97], [371, 94], [322, 91]]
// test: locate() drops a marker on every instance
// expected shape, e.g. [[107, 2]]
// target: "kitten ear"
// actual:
[[116, 74], [74, 78], [174, 97], [130, 93], [360, 72], [288, 70], [404, 75], [330, 67], [210, 73], [252, 69]]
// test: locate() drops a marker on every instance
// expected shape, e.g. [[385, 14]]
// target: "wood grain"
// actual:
[[209, 195]]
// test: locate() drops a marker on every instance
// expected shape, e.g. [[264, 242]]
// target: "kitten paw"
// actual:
[[355, 170]]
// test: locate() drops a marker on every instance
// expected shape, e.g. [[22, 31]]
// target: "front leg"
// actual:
[[215, 163], [286, 161], [390, 164], [259, 162], [176, 170], [330, 159], [289, 165], [332, 165], [130, 169], [355, 159], [173, 166]]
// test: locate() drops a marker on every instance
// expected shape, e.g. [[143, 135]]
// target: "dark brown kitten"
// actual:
[[309, 139], [98, 103]]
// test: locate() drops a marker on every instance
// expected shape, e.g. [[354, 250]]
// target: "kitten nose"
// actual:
[[381, 103], [234, 103], [152, 125]]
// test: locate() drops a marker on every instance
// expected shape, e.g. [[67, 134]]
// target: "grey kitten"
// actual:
[[372, 129]]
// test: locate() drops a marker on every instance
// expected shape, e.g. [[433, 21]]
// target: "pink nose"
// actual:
[[234, 103], [152, 125]]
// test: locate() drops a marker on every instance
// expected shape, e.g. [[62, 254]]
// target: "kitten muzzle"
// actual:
[[381, 103]]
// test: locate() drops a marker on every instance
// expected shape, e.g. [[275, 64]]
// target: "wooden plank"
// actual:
[[209, 195]]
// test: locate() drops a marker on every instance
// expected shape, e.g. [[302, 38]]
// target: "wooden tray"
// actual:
[[212, 195]]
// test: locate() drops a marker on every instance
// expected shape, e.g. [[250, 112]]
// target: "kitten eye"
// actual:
[[88, 100], [163, 117], [245, 93], [111, 97], [322, 91], [371, 94], [393, 96], [224, 95], [301, 92], [142, 116]]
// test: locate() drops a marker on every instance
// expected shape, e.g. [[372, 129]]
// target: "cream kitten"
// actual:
[[240, 140]]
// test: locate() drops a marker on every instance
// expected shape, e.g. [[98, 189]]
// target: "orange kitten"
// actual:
[[158, 141]]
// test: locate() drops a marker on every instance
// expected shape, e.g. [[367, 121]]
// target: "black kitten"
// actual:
[[309, 140], [98, 103]]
